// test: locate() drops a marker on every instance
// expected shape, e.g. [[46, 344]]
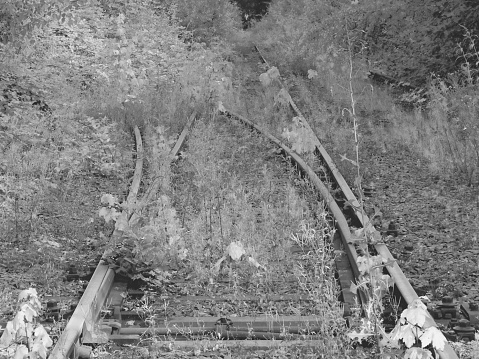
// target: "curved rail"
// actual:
[[326, 195], [86, 314], [401, 281]]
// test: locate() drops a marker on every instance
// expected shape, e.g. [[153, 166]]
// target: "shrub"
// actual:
[[209, 19]]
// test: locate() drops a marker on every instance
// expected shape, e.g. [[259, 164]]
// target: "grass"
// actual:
[[238, 192], [235, 197]]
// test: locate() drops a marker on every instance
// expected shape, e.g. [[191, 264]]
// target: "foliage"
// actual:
[[61, 57], [163, 231], [252, 10], [209, 20], [454, 111], [314, 273], [24, 336], [149, 242], [406, 40], [301, 138], [417, 331], [375, 285], [96, 72], [19, 18], [411, 40], [287, 31], [143, 55], [38, 155]]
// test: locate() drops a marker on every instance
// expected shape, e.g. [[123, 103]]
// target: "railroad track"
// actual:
[[105, 289]]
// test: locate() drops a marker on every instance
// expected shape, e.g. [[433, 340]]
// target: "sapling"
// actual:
[[23, 336], [417, 332]]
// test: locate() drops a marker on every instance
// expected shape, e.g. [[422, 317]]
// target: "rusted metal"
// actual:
[[87, 311], [85, 316], [338, 215], [407, 291]]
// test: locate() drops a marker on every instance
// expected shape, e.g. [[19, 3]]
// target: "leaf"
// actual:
[[353, 288], [235, 250], [359, 336], [8, 335], [433, 336], [282, 98], [416, 314], [109, 214], [40, 350], [264, 79], [109, 199], [19, 322], [273, 73], [255, 263], [312, 74], [389, 262], [221, 108], [365, 265], [357, 236], [387, 340], [21, 352], [377, 213], [407, 336], [29, 312], [417, 353], [302, 140], [42, 336], [26, 293]]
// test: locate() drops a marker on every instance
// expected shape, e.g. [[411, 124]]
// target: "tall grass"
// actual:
[[443, 130]]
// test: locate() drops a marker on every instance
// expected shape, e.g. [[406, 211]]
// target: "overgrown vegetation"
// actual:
[[74, 80], [77, 77], [423, 54]]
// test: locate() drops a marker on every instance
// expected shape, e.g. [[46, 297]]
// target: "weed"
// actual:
[[315, 275]]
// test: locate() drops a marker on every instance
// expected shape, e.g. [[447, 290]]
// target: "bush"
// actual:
[[209, 19], [411, 40]]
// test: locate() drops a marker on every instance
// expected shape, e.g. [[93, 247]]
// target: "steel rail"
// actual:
[[86, 313], [338, 215], [155, 185], [253, 344], [400, 280], [88, 308]]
